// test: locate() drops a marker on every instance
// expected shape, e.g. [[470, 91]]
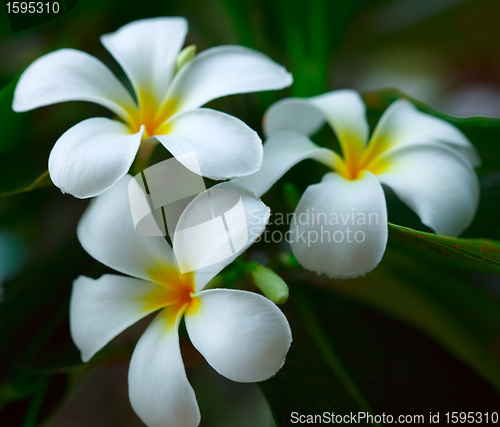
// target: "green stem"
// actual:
[[36, 406], [325, 348]]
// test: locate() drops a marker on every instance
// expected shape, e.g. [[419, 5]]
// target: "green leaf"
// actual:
[[271, 285], [457, 312], [345, 357], [480, 255]]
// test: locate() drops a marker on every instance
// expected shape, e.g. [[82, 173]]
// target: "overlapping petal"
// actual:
[[103, 308], [293, 115], [428, 162], [71, 75], [159, 390], [437, 182], [231, 218], [106, 231], [402, 125], [242, 335], [92, 156], [225, 70], [146, 50], [343, 109], [282, 151], [340, 226], [225, 147]]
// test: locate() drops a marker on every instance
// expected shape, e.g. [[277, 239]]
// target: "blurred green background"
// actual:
[[419, 334]]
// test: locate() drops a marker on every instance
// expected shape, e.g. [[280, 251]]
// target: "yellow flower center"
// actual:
[[154, 117], [175, 290], [357, 158]]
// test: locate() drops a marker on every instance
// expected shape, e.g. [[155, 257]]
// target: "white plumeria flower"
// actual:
[[426, 161], [94, 154], [242, 335]]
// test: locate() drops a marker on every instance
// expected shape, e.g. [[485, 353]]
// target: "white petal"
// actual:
[[343, 109], [282, 151], [70, 75], [293, 115], [159, 390], [346, 113], [216, 227], [224, 146], [103, 308], [146, 50], [437, 182], [340, 226], [106, 231], [402, 125], [242, 335], [225, 70], [92, 156]]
